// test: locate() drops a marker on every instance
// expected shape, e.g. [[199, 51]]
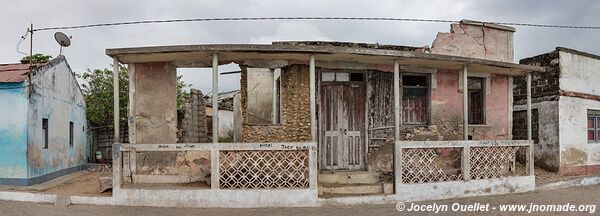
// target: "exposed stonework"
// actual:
[[295, 121], [192, 127], [544, 85]]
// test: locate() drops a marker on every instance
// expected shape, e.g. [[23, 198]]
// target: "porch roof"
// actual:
[[201, 56]]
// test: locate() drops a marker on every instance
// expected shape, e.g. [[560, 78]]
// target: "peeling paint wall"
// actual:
[[578, 73], [56, 96], [447, 110], [563, 144], [476, 41], [155, 102], [576, 154], [155, 121], [13, 130]]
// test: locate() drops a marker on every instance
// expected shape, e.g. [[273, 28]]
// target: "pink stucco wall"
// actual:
[[447, 105]]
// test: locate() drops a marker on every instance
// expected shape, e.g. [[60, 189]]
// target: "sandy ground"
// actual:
[[86, 184]]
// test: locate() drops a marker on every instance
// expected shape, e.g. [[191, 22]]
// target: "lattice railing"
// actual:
[[439, 161], [492, 162], [234, 165], [422, 165], [264, 169]]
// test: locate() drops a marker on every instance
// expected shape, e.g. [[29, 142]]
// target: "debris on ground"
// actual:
[[100, 168]]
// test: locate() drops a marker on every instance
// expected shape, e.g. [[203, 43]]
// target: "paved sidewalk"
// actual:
[[578, 195]]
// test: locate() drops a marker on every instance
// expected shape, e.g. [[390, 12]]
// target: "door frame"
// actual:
[[365, 82]]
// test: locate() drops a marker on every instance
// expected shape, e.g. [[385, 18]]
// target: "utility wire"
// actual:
[[307, 18], [21, 41]]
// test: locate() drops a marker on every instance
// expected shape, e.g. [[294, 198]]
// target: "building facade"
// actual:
[[43, 127], [566, 106], [330, 122]]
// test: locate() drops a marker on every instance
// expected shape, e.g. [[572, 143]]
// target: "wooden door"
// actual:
[[342, 133]]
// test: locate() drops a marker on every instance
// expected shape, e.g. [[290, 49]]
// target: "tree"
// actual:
[[98, 92], [38, 57]]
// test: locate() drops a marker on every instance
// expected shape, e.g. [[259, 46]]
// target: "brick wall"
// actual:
[[192, 124], [295, 111], [520, 125], [544, 85]]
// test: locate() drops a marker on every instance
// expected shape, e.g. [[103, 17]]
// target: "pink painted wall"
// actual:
[[476, 42], [447, 105]]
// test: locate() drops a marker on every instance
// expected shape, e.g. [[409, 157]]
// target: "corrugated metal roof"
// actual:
[[12, 73]]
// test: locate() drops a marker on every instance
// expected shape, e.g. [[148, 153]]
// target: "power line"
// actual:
[[306, 18]]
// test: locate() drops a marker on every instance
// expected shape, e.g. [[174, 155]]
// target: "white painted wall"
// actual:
[[579, 73], [57, 97], [573, 132], [225, 122]]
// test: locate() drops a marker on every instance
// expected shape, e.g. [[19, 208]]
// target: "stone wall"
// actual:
[[192, 126], [295, 110], [545, 86]]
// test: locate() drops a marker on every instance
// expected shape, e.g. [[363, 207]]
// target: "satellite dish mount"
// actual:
[[63, 40]]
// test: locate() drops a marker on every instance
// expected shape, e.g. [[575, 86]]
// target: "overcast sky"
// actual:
[[88, 45]]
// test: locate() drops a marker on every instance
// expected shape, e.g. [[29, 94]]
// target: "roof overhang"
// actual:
[[228, 53]]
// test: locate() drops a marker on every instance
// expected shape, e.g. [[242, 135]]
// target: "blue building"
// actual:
[[43, 127]]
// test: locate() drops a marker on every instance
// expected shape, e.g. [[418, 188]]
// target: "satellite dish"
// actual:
[[63, 40]]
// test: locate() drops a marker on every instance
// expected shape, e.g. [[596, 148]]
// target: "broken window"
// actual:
[[277, 103], [415, 99], [593, 126], [71, 134], [342, 77], [45, 132], [264, 96], [476, 100]]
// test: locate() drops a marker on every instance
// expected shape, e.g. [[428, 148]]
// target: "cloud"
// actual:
[[291, 31]]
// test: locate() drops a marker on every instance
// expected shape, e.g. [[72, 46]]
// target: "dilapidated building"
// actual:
[[566, 111], [43, 127], [323, 119]]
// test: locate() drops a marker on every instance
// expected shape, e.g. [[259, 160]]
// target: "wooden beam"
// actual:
[[116, 99], [313, 95]]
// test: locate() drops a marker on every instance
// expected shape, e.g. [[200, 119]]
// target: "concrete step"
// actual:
[[361, 177], [350, 189]]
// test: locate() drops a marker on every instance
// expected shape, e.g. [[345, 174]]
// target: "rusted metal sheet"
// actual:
[[11, 73], [343, 132]]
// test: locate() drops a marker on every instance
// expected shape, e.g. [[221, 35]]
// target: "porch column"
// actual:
[[466, 152], [313, 112], [214, 152], [116, 99], [529, 106], [397, 122], [530, 156], [465, 103], [215, 98]]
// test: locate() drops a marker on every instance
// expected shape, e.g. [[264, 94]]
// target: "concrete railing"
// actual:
[[441, 161], [235, 165]]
